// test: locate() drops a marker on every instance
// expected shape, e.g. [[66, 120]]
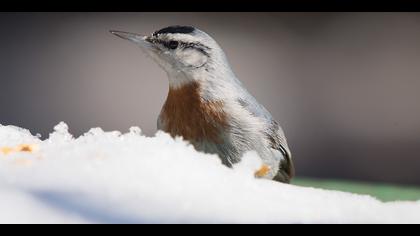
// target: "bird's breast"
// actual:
[[186, 114]]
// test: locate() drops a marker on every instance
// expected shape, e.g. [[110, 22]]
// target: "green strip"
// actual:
[[381, 191]]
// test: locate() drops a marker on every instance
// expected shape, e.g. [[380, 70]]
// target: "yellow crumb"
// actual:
[[262, 171], [21, 148], [27, 148], [6, 150]]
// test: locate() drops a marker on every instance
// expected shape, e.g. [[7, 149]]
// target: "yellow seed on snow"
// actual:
[[21, 148], [27, 148], [6, 150], [263, 171]]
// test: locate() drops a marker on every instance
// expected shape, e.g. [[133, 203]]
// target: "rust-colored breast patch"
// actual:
[[186, 114]]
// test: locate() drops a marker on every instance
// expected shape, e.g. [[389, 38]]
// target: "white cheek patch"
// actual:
[[191, 57]]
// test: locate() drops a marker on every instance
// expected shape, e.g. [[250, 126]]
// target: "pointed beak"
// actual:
[[133, 37]]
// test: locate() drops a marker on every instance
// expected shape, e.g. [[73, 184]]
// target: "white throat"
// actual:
[[178, 79]]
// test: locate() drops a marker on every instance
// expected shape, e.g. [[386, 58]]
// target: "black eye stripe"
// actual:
[[198, 46], [173, 44]]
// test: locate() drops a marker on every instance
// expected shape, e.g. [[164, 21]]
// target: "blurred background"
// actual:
[[344, 86]]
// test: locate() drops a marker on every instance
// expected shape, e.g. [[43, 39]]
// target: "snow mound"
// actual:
[[109, 177]]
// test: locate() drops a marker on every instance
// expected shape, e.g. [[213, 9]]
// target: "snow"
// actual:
[[109, 177]]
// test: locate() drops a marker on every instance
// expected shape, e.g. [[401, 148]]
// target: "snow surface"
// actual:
[[109, 177]]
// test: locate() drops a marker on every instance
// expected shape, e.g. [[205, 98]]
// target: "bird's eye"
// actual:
[[173, 44]]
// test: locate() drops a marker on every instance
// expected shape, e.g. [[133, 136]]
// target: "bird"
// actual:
[[208, 105]]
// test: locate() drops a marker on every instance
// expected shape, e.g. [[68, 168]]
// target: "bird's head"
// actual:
[[184, 52]]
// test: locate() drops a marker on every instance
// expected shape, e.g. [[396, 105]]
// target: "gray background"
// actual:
[[345, 86]]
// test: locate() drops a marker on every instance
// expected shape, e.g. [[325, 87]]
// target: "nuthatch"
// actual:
[[208, 106]]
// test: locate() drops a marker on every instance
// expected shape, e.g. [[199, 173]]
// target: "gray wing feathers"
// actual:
[[279, 142], [274, 133]]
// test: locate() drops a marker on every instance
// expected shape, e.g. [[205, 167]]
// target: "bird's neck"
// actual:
[[179, 79], [186, 114]]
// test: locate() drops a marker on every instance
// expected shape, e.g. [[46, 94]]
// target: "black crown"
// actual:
[[175, 29]]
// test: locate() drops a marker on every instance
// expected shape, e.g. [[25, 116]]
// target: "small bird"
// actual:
[[208, 106]]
